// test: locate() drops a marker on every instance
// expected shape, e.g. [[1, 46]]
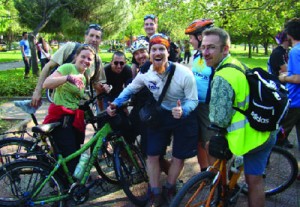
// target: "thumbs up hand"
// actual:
[[177, 111]]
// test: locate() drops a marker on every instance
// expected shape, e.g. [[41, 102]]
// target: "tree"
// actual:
[[70, 17]]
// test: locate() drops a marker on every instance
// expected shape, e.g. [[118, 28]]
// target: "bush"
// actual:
[[13, 83]]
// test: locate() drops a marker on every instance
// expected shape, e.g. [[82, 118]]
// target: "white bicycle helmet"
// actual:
[[139, 44]]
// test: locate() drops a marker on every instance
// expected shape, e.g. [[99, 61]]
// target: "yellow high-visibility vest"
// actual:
[[241, 136]]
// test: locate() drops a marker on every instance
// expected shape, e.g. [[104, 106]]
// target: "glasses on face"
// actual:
[[95, 26], [159, 35], [119, 62], [149, 16], [209, 48]]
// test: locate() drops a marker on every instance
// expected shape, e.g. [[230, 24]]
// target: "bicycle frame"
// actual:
[[98, 138], [220, 169]]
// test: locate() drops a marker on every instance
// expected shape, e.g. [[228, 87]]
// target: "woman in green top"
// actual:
[[69, 82]]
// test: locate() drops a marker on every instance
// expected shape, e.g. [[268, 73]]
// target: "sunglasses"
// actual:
[[117, 62], [151, 16], [159, 35], [95, 26]]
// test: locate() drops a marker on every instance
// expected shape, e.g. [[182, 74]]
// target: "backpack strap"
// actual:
[[71, 56], [172, 70], [230, 65]]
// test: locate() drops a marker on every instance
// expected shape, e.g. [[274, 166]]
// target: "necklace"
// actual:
[[163, 76]]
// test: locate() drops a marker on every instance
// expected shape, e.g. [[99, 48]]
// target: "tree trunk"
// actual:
[[249, 45], [34, 60]]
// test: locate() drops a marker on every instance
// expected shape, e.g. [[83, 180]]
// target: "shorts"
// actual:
[[255, 161], [185, 136], [202, 112]]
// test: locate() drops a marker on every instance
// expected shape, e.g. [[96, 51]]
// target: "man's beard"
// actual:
[[159, 68]]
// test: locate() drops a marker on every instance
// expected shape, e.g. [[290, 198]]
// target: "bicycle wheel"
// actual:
[[50, 94], [197, 190], [19, 179], [104, 164], [280, 173], [15, 148], [133, 178]]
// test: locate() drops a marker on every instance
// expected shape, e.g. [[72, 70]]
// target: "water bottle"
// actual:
[[237, 163], [78, 173]]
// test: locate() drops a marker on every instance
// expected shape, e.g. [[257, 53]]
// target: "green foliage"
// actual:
[[13, 83]]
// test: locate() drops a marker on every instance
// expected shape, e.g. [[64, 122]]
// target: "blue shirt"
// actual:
[[25, 45], [203, 75], [294, 69]]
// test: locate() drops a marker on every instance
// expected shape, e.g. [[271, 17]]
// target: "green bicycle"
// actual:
[[27, 182]]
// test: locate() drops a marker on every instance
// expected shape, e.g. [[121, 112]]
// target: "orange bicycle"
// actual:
[[222, 183]]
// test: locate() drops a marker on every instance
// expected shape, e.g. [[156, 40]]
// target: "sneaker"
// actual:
[[155, 200], [287, 144], [168, 194]]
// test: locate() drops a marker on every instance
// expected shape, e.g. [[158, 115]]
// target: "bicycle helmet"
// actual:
[[139, 44], [198, 25]]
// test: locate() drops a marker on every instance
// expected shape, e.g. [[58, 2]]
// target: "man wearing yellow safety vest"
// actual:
[[230, 89]]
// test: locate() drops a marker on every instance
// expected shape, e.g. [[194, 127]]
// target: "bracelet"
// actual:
[[68, 78], [284, 79]]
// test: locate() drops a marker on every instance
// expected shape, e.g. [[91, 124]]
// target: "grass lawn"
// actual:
[[257, 60], [10, 56], [15, 55]]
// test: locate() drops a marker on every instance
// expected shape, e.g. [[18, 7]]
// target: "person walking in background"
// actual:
[[203, 76], [43, 51], [279, 57], [292, 79], [26, 53], [187, 52]]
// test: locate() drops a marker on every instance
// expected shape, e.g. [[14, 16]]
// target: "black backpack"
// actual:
[[269, 102]]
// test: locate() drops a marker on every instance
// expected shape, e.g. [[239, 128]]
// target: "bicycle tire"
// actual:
[[50, 94], [134, 181], [12, 148], [203, 179], [104, 164], [18, 179], [281, 171]]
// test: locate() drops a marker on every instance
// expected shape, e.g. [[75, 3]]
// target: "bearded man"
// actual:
[[177, 117]]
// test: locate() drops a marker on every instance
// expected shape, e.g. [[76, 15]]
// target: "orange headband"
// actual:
[[159, 40]]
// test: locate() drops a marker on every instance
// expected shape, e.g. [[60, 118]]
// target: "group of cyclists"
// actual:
[[194, 100]]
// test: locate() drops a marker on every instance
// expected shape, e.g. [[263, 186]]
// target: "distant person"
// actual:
[[279, 58], [187, 52], [118, 75], [43, 51], [26, 53]]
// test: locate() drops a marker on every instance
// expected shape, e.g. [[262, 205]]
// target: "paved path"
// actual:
[[11, 65]]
